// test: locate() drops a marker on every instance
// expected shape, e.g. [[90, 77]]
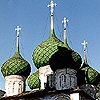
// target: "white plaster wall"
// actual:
[[43, 73], [74, 96], [14, 84]]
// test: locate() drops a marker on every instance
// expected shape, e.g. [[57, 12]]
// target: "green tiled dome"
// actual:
[[16, 65], [45, 50], [91, 75], [33, 80]]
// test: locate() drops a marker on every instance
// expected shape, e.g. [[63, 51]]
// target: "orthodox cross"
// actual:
[[85, 45], [52, 5], [65, 21], [18, 29]]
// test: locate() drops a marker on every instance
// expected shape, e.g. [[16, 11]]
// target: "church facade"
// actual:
[[60, 73]]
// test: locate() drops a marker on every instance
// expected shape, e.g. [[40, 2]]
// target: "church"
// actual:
[[60, 74]]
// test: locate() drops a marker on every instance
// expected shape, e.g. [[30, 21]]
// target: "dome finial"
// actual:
[[18, 29], [65, 21], [52, 5], [85, 46]]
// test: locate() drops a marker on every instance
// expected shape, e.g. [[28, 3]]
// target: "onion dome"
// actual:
[[65, 56], [75, 56], [91, 75], [33, 80], [16, 65], [55, 52], [45, 50]]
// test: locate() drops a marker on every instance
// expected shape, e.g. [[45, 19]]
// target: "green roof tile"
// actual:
[[33, 80], [91, 75], [16, 65]]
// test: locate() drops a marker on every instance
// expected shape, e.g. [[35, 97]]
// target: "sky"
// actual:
[[33, 16]]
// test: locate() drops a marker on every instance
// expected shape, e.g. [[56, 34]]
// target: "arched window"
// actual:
[[20, 87], [13, 87]]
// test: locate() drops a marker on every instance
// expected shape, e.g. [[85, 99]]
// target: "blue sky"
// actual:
[[33, 17]]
